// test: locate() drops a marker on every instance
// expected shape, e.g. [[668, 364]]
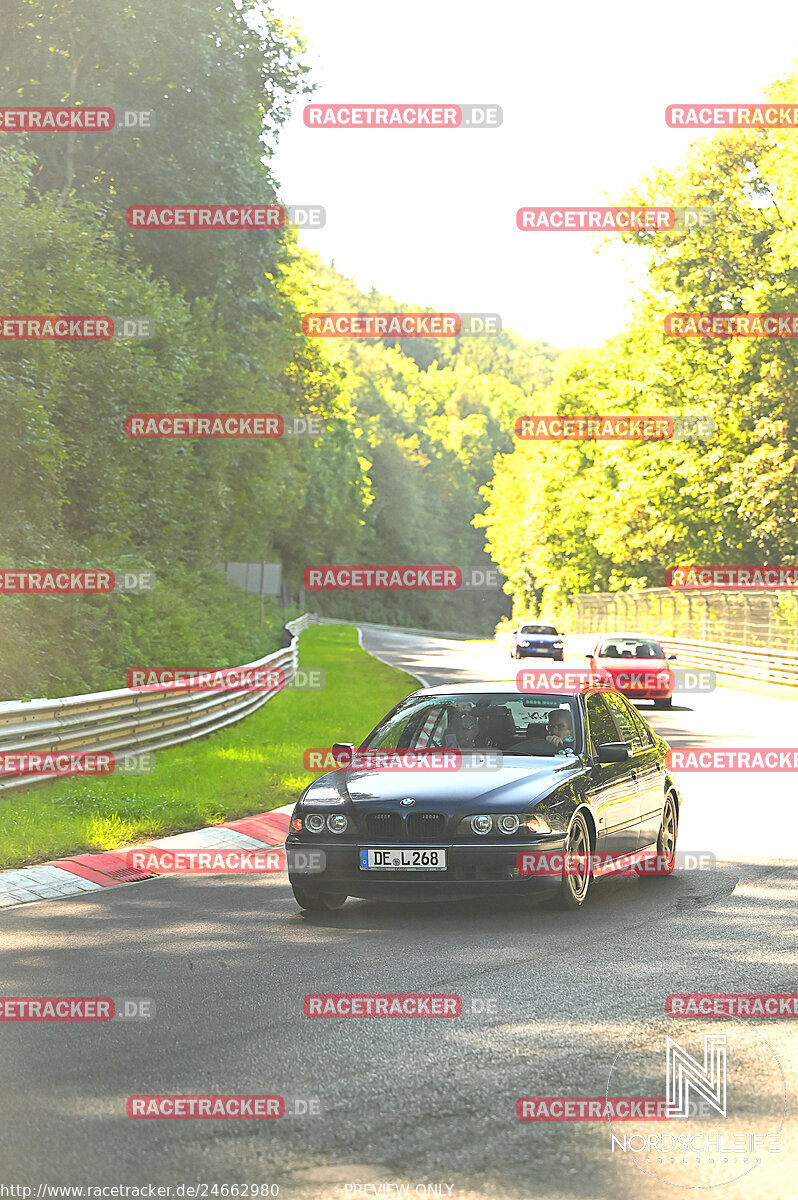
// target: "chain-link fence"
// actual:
[[760, 619]]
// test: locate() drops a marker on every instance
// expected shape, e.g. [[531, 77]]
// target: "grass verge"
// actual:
[[248, 768]]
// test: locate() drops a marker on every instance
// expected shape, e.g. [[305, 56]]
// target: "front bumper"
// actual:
[[472, 870], [638, 683], [539, 652]]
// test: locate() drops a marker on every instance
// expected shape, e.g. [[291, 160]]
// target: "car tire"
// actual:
[[318, 901], [574, 888], [557, 657], [666, 842], [513, 653], [666, 703]]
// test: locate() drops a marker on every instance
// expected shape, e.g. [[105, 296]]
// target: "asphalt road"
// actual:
[[554, 1004]]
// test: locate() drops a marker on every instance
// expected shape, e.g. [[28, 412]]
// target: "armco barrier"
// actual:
[[739, 662], [740, 635], [126, 721]]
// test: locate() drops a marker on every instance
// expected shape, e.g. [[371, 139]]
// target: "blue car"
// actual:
[[540, 641], [481, 790]]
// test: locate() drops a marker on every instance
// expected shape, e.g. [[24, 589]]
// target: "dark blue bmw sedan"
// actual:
[[458, 789]]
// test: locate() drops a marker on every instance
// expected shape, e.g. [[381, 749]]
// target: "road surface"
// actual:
[[415, 1107]]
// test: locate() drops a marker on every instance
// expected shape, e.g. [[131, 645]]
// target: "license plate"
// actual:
[[392, 858]]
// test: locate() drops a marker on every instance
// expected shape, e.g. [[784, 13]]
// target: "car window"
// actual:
[[513, 723], [600, 722], [547, 629], [397, 734], [623, 718], [431, 733], [629, 647], [645, 733]]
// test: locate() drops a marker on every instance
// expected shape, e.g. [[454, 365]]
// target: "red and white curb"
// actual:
[[110, 868]]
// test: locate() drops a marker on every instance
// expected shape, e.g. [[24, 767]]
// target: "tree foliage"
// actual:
[[409, 429], [564, 518]]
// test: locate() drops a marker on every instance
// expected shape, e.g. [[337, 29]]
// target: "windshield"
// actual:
[[537, 724], [538, 629], [620, 647]]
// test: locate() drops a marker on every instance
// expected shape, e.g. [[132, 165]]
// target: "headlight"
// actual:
[[336, 822], [314, 822], [509, 823], [556, 643]]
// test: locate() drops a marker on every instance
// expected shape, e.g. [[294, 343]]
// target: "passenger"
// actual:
[[468, 732], [462, 730]]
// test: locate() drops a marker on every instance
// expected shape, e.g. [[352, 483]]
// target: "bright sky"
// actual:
[[428, 216]]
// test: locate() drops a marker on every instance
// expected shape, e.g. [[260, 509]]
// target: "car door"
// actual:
[[652, 793], [613, 787], [643, 759]]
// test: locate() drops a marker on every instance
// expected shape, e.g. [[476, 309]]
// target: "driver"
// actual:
[[559, 728]]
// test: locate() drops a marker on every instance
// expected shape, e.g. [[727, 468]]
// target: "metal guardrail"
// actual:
[[765, 620], [742, 635], [127, 721], [739, 662]]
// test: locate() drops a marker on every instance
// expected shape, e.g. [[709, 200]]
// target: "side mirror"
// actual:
[[590, 656], [671, 658], [613, 752], [342, 752]]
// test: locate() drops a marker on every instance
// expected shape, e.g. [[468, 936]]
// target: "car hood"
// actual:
[[527, 779]]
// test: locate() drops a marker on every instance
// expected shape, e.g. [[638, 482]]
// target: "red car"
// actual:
[[638, 665]]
